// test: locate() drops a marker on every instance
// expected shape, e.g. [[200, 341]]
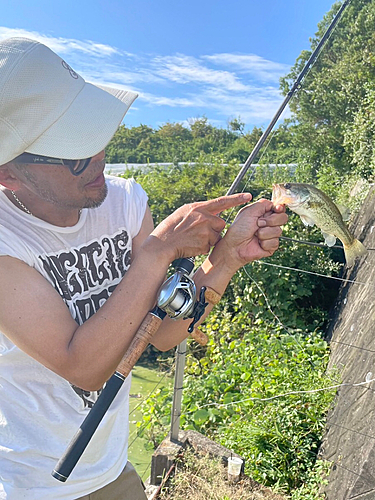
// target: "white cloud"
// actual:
[[186, 69], [96, 62], [62, 45], [221, 85], [251, 64], [173, 102]]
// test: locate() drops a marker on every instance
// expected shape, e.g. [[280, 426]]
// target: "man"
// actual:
[[80, 267]]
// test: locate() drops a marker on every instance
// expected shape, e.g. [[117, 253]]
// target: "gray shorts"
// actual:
[[128, 486]]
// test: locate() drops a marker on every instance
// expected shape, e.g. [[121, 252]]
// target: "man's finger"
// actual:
[[275, 219], [269, 233], [224, 202], [270, 245]]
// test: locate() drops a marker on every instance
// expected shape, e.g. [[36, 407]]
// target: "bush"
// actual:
[[265, 340]]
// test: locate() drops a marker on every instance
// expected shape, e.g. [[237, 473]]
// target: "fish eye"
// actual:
[[287, 185]]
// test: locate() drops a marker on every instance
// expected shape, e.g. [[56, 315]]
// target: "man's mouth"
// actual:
[[97, 182]]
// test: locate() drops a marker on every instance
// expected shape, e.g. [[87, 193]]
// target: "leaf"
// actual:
[[200, 416]]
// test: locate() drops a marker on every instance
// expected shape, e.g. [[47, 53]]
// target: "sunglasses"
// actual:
[[76, 167]]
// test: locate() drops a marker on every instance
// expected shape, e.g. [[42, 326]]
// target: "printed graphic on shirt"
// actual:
[[88, 397], [86, 276]]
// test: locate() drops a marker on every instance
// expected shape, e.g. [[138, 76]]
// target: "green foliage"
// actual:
[[266, 334], [330, 109], [301, 300], [329, 137], [360, 137], [225, 386], [311, 489], [169, 188], [265, 341], [156, 416], [173, 143]]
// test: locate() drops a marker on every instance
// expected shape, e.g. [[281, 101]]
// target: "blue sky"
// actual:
[[186, 59]]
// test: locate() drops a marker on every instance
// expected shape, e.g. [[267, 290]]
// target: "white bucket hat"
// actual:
[[46, 108]]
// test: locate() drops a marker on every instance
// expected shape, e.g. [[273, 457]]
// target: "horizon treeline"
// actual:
[[330, 134]]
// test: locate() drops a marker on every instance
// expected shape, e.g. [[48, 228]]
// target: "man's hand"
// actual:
[[253, 235], [195, 228]]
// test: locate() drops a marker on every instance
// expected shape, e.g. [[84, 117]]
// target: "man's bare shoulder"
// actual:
[[32, 314]]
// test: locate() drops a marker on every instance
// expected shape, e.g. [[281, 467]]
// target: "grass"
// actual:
[[144, 381], [204, 478]]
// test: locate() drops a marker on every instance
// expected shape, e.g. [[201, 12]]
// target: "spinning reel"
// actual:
[[178, 294]]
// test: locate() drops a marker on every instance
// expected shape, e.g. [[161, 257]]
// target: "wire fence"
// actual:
[[364, 384]]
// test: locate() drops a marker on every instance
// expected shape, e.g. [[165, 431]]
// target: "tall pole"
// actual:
[[178, 387]]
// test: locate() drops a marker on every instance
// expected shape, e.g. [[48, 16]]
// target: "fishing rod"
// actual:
[[177, 298], [296, 85]]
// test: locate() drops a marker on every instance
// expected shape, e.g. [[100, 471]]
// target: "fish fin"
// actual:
[[356, 249], [307, 221], [329, 239], [345, 212]]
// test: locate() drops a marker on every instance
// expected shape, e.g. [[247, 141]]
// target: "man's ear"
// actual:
[[8, 178]]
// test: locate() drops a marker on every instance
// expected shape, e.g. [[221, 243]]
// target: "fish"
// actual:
[[316, 208]]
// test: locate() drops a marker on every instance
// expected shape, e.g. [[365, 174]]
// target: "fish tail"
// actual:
[[352, 251]]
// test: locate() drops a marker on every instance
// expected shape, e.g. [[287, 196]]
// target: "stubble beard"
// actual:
[[95, 203], [51, 197]]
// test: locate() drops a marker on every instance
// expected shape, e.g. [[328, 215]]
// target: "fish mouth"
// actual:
[[280, 196], [275, 194]]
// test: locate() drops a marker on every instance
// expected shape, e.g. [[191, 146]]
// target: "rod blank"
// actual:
[[81, 439]]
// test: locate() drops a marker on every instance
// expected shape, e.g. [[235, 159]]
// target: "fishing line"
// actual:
[[153, 390], [356, 282], [296, 393], [292, 335], [279, 396], [314, 244], [250, 176], [145, 399], [267, 303], [295, 87]]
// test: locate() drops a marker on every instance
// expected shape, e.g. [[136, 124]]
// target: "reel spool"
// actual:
[[177, 295]]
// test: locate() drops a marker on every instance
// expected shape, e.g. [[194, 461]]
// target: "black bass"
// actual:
[[315, 207]]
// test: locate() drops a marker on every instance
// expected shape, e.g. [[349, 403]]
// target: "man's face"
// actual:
[[55, 184]]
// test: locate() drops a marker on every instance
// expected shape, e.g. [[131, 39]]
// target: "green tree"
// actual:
[[333, 94]]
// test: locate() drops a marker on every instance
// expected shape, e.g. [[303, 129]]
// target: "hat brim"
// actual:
[[87, 125]]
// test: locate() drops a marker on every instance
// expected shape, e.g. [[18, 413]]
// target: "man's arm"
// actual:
[[35, 318], [253, 235]]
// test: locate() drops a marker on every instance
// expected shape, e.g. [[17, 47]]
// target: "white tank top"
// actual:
[[39, 410]]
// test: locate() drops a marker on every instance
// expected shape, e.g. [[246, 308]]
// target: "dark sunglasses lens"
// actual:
[[78, 166]]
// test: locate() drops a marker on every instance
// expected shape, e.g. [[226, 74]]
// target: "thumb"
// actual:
[[261, 207]]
